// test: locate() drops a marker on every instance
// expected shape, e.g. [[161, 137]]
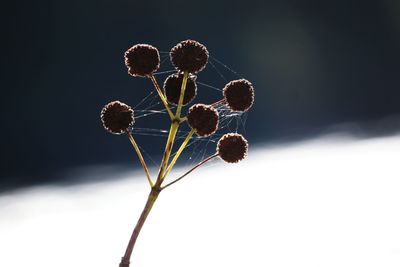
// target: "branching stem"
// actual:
[[178, 153], [167, 152], [172, 132], [156, 188]]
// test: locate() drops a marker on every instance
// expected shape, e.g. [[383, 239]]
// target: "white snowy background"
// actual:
[[332, 201]]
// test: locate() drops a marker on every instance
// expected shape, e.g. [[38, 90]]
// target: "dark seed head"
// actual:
[[142, 60], [203, 119], [232, 147], [239, 95], [117, 117], [172, 89], [190, 56]]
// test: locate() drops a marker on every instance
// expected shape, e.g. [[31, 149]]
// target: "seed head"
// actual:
[[190, 56], [142, 60], [239, 95], [203, 119], [232, 147], [172, 88], [117, 117]]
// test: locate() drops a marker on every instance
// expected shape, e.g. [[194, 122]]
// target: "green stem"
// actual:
[[162, 97], [167, 152], [183, 88], [178, 153], [146, 170], [172, 132]]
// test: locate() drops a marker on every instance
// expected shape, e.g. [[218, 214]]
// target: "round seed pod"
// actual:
[[232, 147], [142, 60], [190, 56], [239, 95], [117, 117], [203, 119], [172, 89]]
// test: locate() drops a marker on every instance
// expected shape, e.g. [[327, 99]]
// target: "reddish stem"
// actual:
[[147, 208]]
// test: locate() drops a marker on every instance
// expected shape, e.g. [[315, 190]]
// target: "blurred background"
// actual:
[[317, 67]]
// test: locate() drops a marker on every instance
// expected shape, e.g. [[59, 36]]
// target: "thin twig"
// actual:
[[183, 88], [222, 101], [146, 170], [162, 97], [189, 171]]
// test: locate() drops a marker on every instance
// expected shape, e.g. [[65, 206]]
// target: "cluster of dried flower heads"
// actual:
[[189, 58]]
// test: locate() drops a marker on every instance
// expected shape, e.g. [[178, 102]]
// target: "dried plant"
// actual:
[[188, 57]]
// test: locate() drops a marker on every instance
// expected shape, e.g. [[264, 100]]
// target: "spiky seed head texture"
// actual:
[[117, 117], [142, 60], [232, 147], [239, 95], [190, 56], [203, 119]]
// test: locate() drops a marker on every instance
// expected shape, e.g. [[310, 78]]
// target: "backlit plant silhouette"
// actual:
[[189, 58]]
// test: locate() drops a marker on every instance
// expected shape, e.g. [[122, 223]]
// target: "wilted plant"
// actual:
[[188, 57]]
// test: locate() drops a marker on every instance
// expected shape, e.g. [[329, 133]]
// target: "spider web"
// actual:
[[209, 87]]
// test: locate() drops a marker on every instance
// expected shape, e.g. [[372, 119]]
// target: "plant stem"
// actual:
[[222, 101], [162, 97], [183, 88], [156, 188], [147, 208], [167, 152], [172, 132], [189, 171], [178, 153], [146, 170]]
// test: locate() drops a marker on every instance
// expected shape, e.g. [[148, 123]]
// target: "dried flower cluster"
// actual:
[[189, 58]]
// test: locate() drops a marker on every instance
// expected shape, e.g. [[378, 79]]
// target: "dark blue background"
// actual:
[[313, 64]]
